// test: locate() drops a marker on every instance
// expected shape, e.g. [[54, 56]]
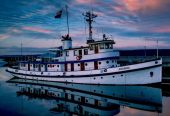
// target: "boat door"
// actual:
[[82, 68], [95, 65], [28, 66], [80, 52], [66, 95], [96, 49], [39, 67], [96, 102], [45, 67], [72, 67], [65, 66], [82, 99]]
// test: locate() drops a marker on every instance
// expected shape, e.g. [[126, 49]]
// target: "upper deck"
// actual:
[[94, 50]]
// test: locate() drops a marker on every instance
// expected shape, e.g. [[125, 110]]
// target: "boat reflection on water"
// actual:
[[86, 100]]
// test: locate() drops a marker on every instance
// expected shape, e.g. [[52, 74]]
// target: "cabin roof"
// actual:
[[102, 41], [81, 47]]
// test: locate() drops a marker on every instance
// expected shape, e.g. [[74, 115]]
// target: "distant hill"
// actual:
[[142, 52]]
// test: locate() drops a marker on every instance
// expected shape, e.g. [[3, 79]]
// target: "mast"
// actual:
[[67, 19], [21, 47], [157, 52], [89, 16]]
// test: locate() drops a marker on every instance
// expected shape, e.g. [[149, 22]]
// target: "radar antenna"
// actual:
[[89, 16]]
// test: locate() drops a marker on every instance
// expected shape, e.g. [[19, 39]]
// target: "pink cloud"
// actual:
[[162, 29], [35, 29], [82, 1], [4, 36], [144, 5]]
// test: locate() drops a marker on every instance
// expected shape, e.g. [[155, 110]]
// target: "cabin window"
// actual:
[[91, 47], [107, 45], [99, 62], [101, 46], [61, 53], [75, 53], [67, 53], [78, 64], [107, 62], [110, 46], [85, 51]]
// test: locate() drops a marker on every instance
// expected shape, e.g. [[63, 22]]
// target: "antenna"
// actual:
[[89, 16], [157, 51], [21, 47], [67, 19], [85, 28]]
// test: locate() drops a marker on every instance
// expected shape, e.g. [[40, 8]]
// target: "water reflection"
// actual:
[[91, 99]]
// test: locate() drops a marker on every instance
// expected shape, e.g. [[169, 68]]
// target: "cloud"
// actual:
[[4, 36], [162, 29], [35, 29], [82, 1], [145, 6]]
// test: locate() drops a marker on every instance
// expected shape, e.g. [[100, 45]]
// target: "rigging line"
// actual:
[[91, 6], [67, 18], [85, 28]]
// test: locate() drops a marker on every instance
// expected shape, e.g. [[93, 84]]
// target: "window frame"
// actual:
[[85, 51]]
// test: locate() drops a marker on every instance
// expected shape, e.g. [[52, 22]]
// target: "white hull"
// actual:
[[142, 73]]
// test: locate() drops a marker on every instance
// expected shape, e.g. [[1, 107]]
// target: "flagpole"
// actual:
[[67, 18]]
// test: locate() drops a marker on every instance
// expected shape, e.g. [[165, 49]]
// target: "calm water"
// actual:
[[27, 97]]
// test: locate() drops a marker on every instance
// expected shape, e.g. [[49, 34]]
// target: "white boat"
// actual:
[[95, 63]]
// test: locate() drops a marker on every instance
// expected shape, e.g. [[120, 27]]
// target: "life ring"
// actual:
[[79, 107], [105, 70], [78, 57]]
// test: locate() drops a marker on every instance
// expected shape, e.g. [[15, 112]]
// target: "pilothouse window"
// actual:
[[91, 47], [67, 53], [107, 45], [75, 53], [101, 46], [85, 51]]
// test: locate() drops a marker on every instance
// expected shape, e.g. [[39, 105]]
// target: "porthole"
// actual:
[[151, 74], [57, 65], [85, 64], [107, 62], [86, 100], [78, 64], [94, 78], [101, 77], [99, 62], [113, 76], [156, 62]]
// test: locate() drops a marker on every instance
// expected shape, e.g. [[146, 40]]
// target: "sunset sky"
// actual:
[[131, 23]]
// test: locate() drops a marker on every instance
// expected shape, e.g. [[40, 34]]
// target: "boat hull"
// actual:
[[138, 74]]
